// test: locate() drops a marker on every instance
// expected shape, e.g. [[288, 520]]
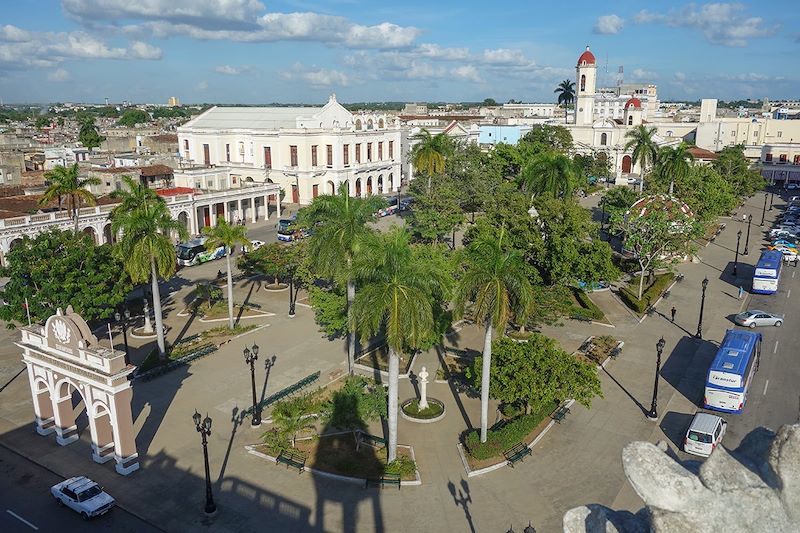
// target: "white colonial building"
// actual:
[[306, 151]]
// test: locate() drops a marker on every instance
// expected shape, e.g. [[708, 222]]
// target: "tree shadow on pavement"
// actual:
[[440, 352]]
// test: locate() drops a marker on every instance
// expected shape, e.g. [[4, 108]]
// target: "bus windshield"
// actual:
[[285, 225], [189, 252]]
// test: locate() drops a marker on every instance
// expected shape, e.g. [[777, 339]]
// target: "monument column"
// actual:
[[124, 435]]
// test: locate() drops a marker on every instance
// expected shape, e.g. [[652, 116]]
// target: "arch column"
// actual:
[[64, 412], [125, 454], [102, 437], [42, 405], [278, 204]]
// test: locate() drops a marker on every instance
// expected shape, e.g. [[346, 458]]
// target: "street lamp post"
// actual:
[[764, 211], [653, 414], [771, 199], [747, 241], [292, 295], [122, 318], [204, 428], [699, 333], [250, 357], [736, 257]]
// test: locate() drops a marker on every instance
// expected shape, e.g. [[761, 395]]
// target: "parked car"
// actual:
[[755, 317], [789, 254], [405, 205], [788, 242], [83, 496], [792, 186], [254, 245], [705, 433]]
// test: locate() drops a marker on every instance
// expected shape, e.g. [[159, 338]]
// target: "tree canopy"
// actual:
[[88, 135], [132, 117]]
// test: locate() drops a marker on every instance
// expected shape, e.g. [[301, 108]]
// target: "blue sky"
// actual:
[[249, 51]]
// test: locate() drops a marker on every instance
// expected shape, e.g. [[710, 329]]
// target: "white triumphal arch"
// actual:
[[63, 358]]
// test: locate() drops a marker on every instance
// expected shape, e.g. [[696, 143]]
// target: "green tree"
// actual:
[[358, 401], [437, 210], [537, 373], [291, 417], [566, 95], [330, 310], [549, 173], [88, 135], [340, 226], [655, 232], [132, 117], [495, 282], [66, 181], [645, 150], [146, 247], [396, 298], [206, 294], [429, 153], [507, 160], [547, 137], [673, 165], [490, 102], [737, 170], [273, 260], [58, 268], [596, 164], [619, 199], [41, 123], [227, 235]]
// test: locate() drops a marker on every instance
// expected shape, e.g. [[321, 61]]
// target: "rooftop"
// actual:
[[251, 117]]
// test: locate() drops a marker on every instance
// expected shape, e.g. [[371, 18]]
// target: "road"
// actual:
[[27, 505], [774, 397]]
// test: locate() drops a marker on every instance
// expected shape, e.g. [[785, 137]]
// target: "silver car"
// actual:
[[755, 318]]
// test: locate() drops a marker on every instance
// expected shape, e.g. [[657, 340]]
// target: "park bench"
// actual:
[[560, 413], [386, 479], [372, 440], [292, 459], [187, 340], [516, 453], [500, 424], [617, 350]]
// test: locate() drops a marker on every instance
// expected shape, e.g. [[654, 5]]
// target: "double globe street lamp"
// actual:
[[747, 241], [699, 333], [204, 428], [653, 414], [250, 357]]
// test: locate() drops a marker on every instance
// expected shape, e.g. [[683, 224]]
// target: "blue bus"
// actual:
[[768, 272], [731, 373]]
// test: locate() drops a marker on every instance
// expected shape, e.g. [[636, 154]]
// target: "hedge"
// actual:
[[649, 296], [502, 439], [588, 310]]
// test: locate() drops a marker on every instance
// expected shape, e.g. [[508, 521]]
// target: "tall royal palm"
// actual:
[[227, 235], [66, 181], [429, 153], [146, 247], [495, 283], [645, 150], [566, 95], [340, 225], [549, 173], [675, 163], [396, 298]]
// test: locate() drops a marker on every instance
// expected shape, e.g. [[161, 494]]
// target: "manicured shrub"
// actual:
[[402, 465], [500, 440], [650, 294]]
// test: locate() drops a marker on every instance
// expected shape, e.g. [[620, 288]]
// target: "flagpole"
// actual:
[[110, 338], [28, 311]]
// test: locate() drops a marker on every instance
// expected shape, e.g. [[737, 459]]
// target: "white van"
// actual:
[[704, 434]]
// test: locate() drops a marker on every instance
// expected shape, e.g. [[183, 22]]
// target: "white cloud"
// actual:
[[201, 86], [643, 75], [466, 72], [21, 48], [319, 77], [58, 75], [726, 24], [229, 70], [175, 10], [434, 51], [609, 24], [680, 76], [505, 56]]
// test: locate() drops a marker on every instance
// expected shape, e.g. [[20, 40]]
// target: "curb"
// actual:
[[668, 289]]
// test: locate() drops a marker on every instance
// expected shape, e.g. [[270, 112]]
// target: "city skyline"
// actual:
[[243, 51]]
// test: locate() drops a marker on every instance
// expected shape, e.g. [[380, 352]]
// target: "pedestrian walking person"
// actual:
[[744, 217], [741, 292], [672, 312]]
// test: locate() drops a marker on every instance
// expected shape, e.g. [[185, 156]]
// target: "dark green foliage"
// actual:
[[88, 135], [57, 269], [132, 117], [587, 310], [650, 294], [735, 168], [358, 402], [404, 466], [500, 440], [171, 112], [273, 260], [330, 310], [556, 138]]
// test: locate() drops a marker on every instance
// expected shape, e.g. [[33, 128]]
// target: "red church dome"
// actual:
[[587, 58], [633, 102]]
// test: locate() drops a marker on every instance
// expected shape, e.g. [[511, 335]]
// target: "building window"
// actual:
[[780, 134], [768, 158], [314, 191], [369, 152], [346, 154], [206, 155], [782, 158], [293, 156], [267, 157], [583, 82], [314, 155], [329, 155], [630, 121], [358, 124], [241, 151], [797, 160], [603, 139], [358, 153], [391, 149], [380, 151], [227, 152]]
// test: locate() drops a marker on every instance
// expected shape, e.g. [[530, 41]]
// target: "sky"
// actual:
[[249, 51]]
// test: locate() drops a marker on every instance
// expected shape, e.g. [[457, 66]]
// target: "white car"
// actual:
[[705, 433], [789, 254], [83, 496], [254, 245]]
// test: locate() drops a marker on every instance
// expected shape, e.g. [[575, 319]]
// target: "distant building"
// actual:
[[173, 101], [780, 163], [307, 151], [494, 134]]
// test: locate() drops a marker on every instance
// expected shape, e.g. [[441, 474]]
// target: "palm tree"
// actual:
[[227, 235], [429, 153], [340, 225], [146, 248], [396, 298], [566, 95], [495, 282], [65, 181], [645, 150], [675, 163], [550, 173], [291, 417]]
